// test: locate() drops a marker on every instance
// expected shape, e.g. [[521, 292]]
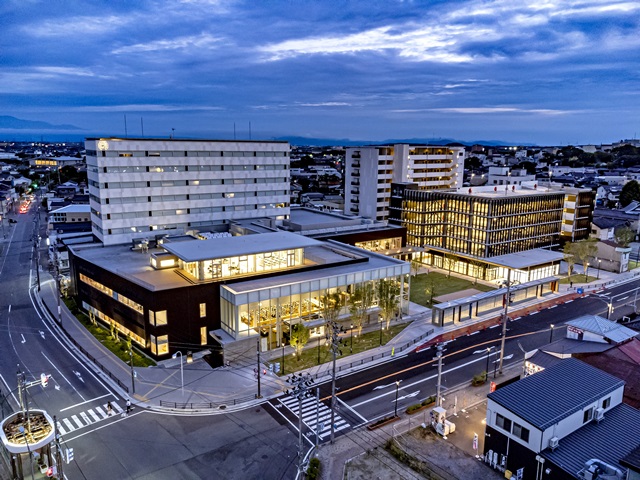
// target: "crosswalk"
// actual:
[[86, 418], [314, 419]]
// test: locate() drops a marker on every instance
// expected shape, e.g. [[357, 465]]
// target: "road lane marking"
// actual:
[[568, 301], [86, 418], [93, 414], [77, 421], [23, 339], [352, 410], [108, 424], [61, 374], [70, 427], [86, 401], [102, 413], [9, 390]]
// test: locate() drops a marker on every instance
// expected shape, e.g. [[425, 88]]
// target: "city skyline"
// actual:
[[554, 73]]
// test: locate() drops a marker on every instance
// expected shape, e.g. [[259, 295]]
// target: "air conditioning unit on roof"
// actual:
[[599, 414], [554, 442]]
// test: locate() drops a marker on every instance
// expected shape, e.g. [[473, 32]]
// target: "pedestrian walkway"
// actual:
[[87, 418], [315, 415]]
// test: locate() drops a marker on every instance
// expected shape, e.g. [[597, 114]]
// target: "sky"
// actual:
[[544, 72]]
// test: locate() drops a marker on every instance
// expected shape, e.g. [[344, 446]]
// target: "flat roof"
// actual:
[[73, 208], [199, 250], [309, 217], [147, 139], [528, 258]]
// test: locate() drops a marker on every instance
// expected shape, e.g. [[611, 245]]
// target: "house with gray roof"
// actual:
[[555, 416]]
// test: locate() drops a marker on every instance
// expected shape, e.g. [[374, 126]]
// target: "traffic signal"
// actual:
[[44, 379], [69, 455]]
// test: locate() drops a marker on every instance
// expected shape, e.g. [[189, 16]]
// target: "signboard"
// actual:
[[475, 442], [493, 386], [576, 330]]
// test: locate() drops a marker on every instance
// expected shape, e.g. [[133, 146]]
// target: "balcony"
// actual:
[[355, 165], [355, 191], [355, 174], [355, 183], [354, 209]]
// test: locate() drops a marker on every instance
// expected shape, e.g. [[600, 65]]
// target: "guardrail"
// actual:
[[85, 353], [205, 405]]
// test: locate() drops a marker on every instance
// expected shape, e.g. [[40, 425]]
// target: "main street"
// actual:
[[369, 394], [247, 444]]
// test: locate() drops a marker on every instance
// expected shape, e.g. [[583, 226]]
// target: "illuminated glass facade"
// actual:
[[480, 226]]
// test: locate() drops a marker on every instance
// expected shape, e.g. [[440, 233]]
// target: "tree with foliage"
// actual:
[[388, 291], [477, 264], [569, 257], [585, 250], [332, 304], [114, 332], [630, 192], [624, 236], [360, 301], [299, 337]]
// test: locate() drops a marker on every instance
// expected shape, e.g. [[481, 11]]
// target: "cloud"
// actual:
[[78, 26], [144, 108], [201, 41], [488, 110]]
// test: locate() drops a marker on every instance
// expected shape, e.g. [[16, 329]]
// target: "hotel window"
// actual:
[[203, 310], [158, 319], [587, 415], [203, 335], [162, 345]]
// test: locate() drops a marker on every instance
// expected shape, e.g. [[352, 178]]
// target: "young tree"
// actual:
[[624, 236], [585, 250], [415, 267], [450, 260], [359, 303], [477, 264], [388, 291], [299, 337], [430, 289], [569, 256], [331, 306]]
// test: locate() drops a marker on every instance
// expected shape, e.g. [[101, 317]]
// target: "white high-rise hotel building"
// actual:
[[370, 170], [140, 188]]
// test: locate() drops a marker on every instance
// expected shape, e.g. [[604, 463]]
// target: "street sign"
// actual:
[[69, 455], [580, 290], [475, 442]]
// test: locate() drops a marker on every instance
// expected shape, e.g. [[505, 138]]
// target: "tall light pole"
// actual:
[[505, 319], [395, 412], [381, 328], [551, 333], [133, 383], [438, 357], [599, 262], [300, 389], [333, 338], [175, 355], [486, 371]]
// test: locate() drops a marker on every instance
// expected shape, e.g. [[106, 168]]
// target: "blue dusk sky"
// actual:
[[548, 72]]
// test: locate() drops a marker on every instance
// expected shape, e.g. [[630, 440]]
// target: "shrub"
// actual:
[[313, 471], [480, 378]]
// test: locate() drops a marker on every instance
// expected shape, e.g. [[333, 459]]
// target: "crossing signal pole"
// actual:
[[300, 388], [333, 337]]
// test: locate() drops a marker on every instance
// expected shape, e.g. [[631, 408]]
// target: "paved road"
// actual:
[[367, 395]]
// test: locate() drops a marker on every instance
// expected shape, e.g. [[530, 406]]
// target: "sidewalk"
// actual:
[[235, 387]]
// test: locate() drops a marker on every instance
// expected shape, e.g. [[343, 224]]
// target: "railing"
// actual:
[[87, 354], [205, 405]]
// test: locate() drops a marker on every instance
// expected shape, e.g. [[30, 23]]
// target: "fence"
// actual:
[[204, 405], [87, 354]]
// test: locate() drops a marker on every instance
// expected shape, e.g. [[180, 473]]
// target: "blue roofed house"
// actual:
[[567, 421]]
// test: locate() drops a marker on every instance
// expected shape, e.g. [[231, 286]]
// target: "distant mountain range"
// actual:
[[14, 123], [345, 142]]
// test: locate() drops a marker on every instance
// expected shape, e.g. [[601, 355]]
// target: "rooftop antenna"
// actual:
[[125, 126], [249, 130], [142, 125]]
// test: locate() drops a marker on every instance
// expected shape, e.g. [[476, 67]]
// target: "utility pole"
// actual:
[[59, 461], [133, 383], [438, 385], [56, 259], [317, 417], [505, 319], [300, 389], [259, 370], [333, 337]]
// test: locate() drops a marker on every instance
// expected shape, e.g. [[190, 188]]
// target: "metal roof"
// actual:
[[199, 250], [601, 326], [543, 359], [491, 293], [611, 440], [555, 393]]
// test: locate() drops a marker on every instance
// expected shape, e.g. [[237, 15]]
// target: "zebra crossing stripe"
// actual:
[[77, 421], [70, 427], [314, 413], [93, 415], [86, 418], [117, 407], [60, 429], [102, 413]]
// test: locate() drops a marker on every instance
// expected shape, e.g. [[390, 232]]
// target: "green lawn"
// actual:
[[309, 356], [578, 278], [443, 286], [103, 335]]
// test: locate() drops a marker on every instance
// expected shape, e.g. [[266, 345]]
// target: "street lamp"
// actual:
[[175, 355], [608, 301], [487, 369], [551, 333], [351, 334], [599, 262], [395, 413], [381, 328], [133, 383]]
